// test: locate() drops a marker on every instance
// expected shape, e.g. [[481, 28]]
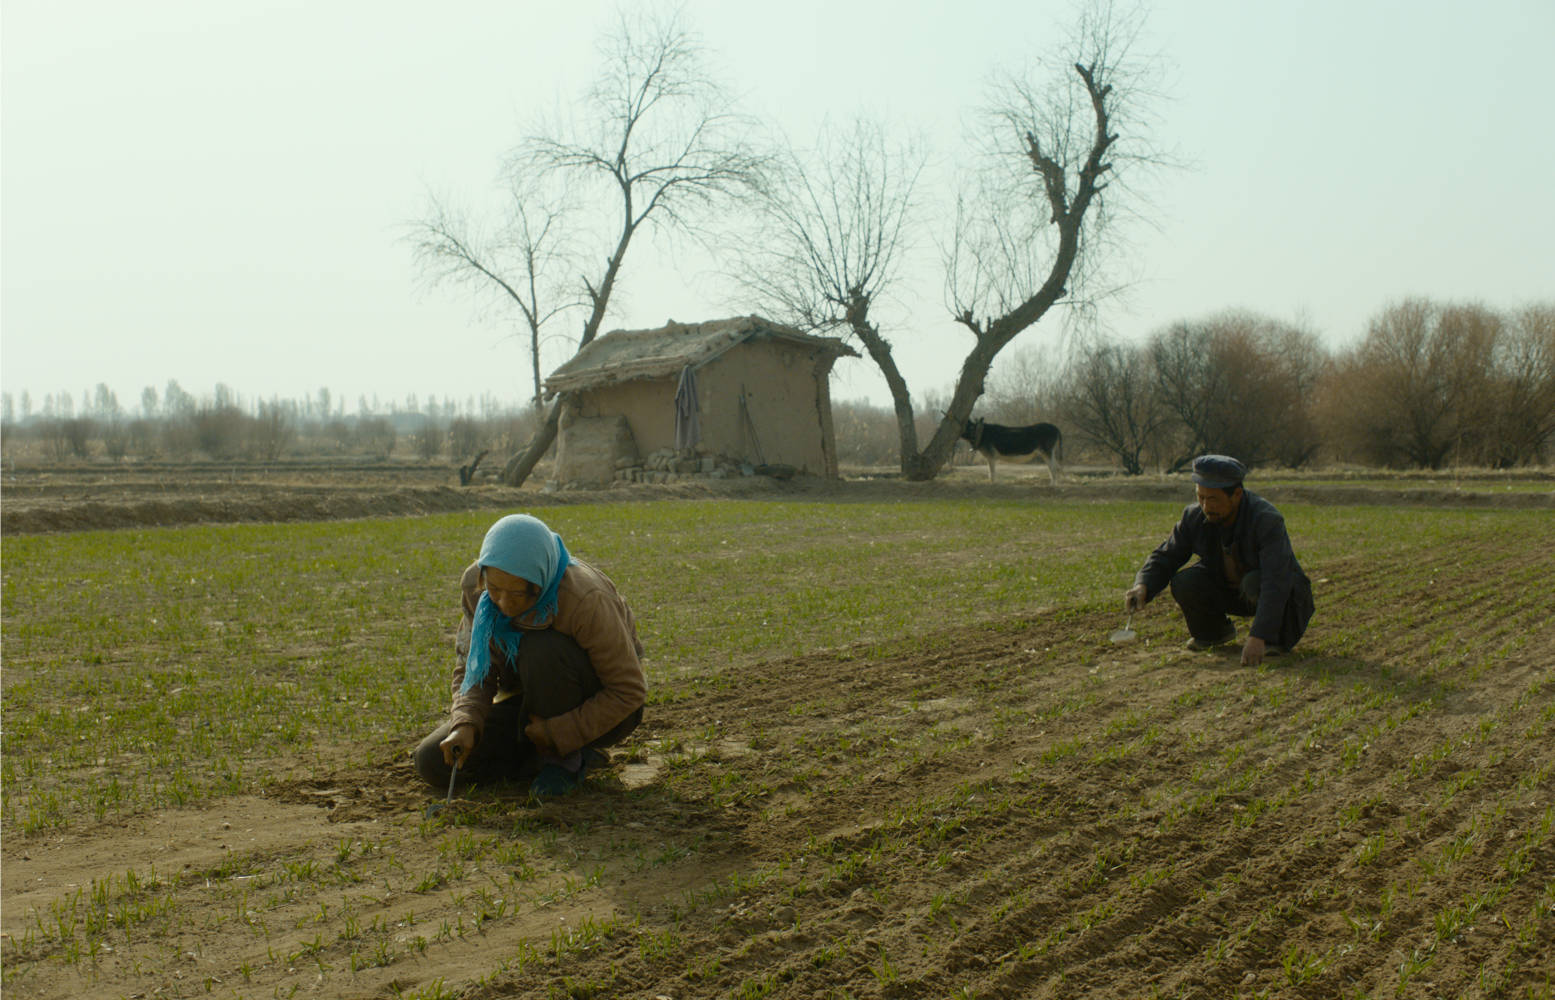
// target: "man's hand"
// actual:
[[458, 744], [538, 735], [1252, 652], [1134, 598]]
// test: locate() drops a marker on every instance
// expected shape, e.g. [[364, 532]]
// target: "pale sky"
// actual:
[[214, 192]]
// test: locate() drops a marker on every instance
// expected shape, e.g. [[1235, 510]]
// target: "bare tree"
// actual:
[[1112, 399], [219, 427], [1015, 256], [522, 263], [1525, 388], [832, 227], [1407, 376], [77, 434], [273, 429], [427, 440], [1240, 384], [1415, 389], [1468, 338], [1029, 228], [1302, 362], [1191, 384], [376, 436], [656, 144]]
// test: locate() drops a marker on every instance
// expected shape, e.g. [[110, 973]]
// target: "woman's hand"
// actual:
[[538, 736], [458, 744]]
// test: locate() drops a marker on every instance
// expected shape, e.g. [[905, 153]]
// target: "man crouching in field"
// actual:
[[1246, 567], [549, 667]]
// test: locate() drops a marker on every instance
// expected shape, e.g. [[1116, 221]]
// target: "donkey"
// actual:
[[1020, 444]]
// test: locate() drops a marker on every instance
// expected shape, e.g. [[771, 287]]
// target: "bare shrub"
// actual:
[[51, 434], [338, 434], [1112, 401], [272, 432], [1524, 390], [116, 438], [428, 440], [143, 437], [178, 436], [219, 430], [464, 437], [1417, 389], [1024, 388], [516, 430], [376, 436], [76, 433], [1239, 384]]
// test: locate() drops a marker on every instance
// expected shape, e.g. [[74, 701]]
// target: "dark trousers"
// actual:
[[556, 677], [1205, 602]]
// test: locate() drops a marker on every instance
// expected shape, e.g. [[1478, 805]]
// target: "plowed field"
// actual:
[[993, 801]]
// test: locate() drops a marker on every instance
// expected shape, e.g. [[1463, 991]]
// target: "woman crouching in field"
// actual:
[[549, 667]]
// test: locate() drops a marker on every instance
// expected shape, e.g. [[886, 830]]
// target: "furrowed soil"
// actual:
[[1018, 809]]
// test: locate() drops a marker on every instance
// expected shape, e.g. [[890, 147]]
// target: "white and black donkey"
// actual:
[[1017, 444]]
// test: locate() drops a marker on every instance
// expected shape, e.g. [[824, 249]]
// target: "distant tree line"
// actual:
[[224, 426]]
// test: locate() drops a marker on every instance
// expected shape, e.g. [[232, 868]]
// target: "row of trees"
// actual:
[[1429, 384], [266, 432], [102, 405]]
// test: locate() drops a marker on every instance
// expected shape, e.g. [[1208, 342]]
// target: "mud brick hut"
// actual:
[[724, 397]]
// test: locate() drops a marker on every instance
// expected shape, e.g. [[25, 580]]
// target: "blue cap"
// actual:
[[1218, 472]]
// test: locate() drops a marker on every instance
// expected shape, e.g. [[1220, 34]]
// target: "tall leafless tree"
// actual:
[[831, 229], [1019, 240], [522, 263], [1190, 384], [656, 144]]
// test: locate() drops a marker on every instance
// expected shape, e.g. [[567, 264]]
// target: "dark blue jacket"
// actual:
[[1259, 542]]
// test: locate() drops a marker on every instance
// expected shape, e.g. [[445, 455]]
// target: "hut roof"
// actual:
[[628, 355]]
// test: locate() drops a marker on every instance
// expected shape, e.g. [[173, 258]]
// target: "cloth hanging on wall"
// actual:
[[688, 423]]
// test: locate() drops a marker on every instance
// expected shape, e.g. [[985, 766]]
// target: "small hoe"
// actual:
[[1126, 633], [436, 807]]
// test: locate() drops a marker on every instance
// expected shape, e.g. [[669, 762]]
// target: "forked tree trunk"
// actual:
[[995, 333]]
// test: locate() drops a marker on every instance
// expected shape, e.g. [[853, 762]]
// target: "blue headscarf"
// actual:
[[526, 548]]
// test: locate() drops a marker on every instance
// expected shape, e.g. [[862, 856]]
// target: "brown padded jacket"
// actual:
[[588, 609]]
